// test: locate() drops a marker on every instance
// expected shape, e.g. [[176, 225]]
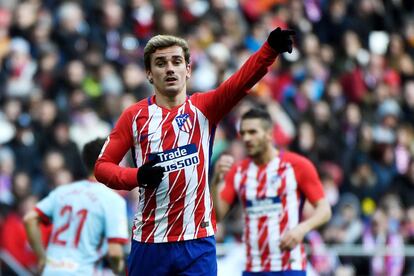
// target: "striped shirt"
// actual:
[[181, 207], [272, 196]]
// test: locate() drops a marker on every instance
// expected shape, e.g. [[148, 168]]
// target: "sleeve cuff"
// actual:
[[43, 217], [226, 197], [269, 50], [132, 180], [118, 240]]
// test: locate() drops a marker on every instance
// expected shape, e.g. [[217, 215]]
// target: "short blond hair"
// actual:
[[164, 41]]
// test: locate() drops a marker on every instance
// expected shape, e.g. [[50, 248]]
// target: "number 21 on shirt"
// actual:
[[66, 212]]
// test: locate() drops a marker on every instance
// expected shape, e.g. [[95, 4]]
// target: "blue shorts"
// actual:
[[279, 273], [193, 257]]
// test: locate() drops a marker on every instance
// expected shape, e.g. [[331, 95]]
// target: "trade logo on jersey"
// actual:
[[263, 207], [177, 158], [184, 122]]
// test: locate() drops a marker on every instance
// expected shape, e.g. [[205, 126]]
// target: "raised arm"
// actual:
[[231, 91]]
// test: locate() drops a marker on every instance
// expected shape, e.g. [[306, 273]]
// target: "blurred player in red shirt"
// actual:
[[272, 186]]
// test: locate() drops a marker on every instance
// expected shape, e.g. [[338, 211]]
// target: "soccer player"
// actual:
[[170, 135], [272, 186], [89, 221]]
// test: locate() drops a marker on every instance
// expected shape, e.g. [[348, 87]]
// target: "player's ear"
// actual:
[[149, 77], [269, 132], [188, 68]]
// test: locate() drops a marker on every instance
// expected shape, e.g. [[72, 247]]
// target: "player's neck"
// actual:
[[172, 101], [266, 157]]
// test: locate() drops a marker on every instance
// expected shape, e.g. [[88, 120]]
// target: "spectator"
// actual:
[[346, 226], [14, 239], [377, 238], [403, 186], [7, 168], [21, 69], [73, 30]]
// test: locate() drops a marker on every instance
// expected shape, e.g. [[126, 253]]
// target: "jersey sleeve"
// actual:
[[227, 191], [307, 177], [46, 206], [119, 142], [216, 103], [116, 224]]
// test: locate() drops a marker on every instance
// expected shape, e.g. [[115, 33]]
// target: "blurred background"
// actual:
[[344, 98]]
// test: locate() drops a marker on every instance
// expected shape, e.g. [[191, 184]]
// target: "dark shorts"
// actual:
[[194, 257], [279, 273]]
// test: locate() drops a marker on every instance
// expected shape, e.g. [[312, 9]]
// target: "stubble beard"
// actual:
[[258, 151]]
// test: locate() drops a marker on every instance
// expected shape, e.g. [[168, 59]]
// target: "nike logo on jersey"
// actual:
[[145, 136]]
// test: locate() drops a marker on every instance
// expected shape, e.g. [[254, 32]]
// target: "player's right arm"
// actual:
[[43, 212], [31, 223], [222, 186], [119, 142]]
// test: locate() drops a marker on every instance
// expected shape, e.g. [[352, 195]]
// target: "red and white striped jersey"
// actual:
[[272, 196], [181, 207]]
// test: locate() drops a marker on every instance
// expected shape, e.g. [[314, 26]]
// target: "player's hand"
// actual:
[[281, 40], [223, 165], [292, 238], [149, 175]]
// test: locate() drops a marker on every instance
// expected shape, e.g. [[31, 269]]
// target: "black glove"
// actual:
[[149, 176], [281, 40]]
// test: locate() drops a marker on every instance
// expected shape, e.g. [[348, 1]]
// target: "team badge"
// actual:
[[184, 122]]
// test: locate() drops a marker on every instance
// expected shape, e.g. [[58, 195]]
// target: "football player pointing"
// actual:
[[170, 136]]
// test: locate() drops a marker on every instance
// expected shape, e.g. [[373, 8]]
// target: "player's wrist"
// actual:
[[304, 227], [150, 175]]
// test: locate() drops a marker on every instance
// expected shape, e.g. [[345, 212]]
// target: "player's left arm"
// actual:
[[220, 101], [311, 186], [320, 216], [31, 223], [116, 230], [116, 257]]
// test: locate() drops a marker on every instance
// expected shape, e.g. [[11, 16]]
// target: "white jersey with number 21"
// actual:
[[85, 216]]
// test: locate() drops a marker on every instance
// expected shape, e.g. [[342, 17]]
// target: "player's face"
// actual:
[[169, 71], [255, 136]]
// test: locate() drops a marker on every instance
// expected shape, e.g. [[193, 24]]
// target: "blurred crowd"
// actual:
[[344, 98]]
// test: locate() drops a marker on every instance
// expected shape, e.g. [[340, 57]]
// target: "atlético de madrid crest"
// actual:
[[184, 122]]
